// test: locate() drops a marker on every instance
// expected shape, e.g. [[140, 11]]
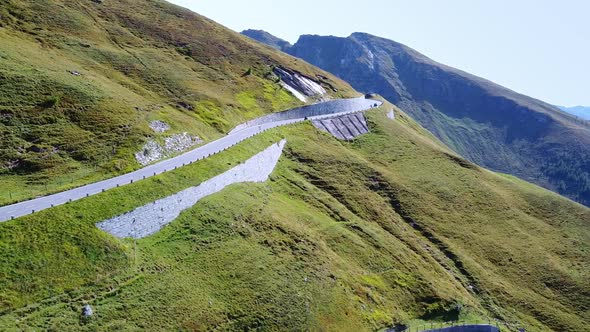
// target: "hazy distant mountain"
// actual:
[[579, 111], [266, 38], [486, 123]]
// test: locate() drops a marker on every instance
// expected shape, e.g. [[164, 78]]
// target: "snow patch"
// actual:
[[371, 57], [391, 115]]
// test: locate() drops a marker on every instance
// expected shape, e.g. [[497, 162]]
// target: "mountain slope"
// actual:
[[484, 122], [266, 38], [390, 228], [346, 236], [579, 111], [80, 82]]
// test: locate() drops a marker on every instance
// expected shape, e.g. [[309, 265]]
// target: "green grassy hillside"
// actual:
[[345, 236], [392, 227], [138, 61]]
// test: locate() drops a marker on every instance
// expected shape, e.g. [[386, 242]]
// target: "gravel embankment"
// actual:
[[150, 218]]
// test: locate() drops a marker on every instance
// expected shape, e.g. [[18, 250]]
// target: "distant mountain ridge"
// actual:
[[267, 38], [485, 122], [579, 111]]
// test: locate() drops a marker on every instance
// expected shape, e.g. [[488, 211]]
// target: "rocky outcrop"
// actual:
[[298, 84], [159, 126], [153, 151]]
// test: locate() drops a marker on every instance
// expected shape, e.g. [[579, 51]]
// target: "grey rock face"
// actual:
[[391, 115], [150, 218]]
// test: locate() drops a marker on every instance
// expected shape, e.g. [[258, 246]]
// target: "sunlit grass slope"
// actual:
[[138, 61], [390, 228]]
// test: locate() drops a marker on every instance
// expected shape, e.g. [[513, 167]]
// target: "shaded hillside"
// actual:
[[81, 80], [579, 111], [484, 122], [346, 236]]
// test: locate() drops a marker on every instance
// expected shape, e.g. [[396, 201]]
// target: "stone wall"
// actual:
[[150, 218]]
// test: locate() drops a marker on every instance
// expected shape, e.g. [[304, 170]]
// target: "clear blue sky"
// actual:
[[537, 47]]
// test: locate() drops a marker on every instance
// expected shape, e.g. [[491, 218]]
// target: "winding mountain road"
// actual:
[[242, 132]]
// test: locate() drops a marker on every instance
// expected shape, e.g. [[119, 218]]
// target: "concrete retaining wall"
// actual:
[[324, 108], [150, 218], [345, 127]]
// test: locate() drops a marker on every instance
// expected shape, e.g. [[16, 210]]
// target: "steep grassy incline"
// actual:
[[80, 81], [346, 236], [482, 121]]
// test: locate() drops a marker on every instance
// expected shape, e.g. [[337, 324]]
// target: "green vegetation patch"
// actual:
[[64, 249], [80, 81]]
